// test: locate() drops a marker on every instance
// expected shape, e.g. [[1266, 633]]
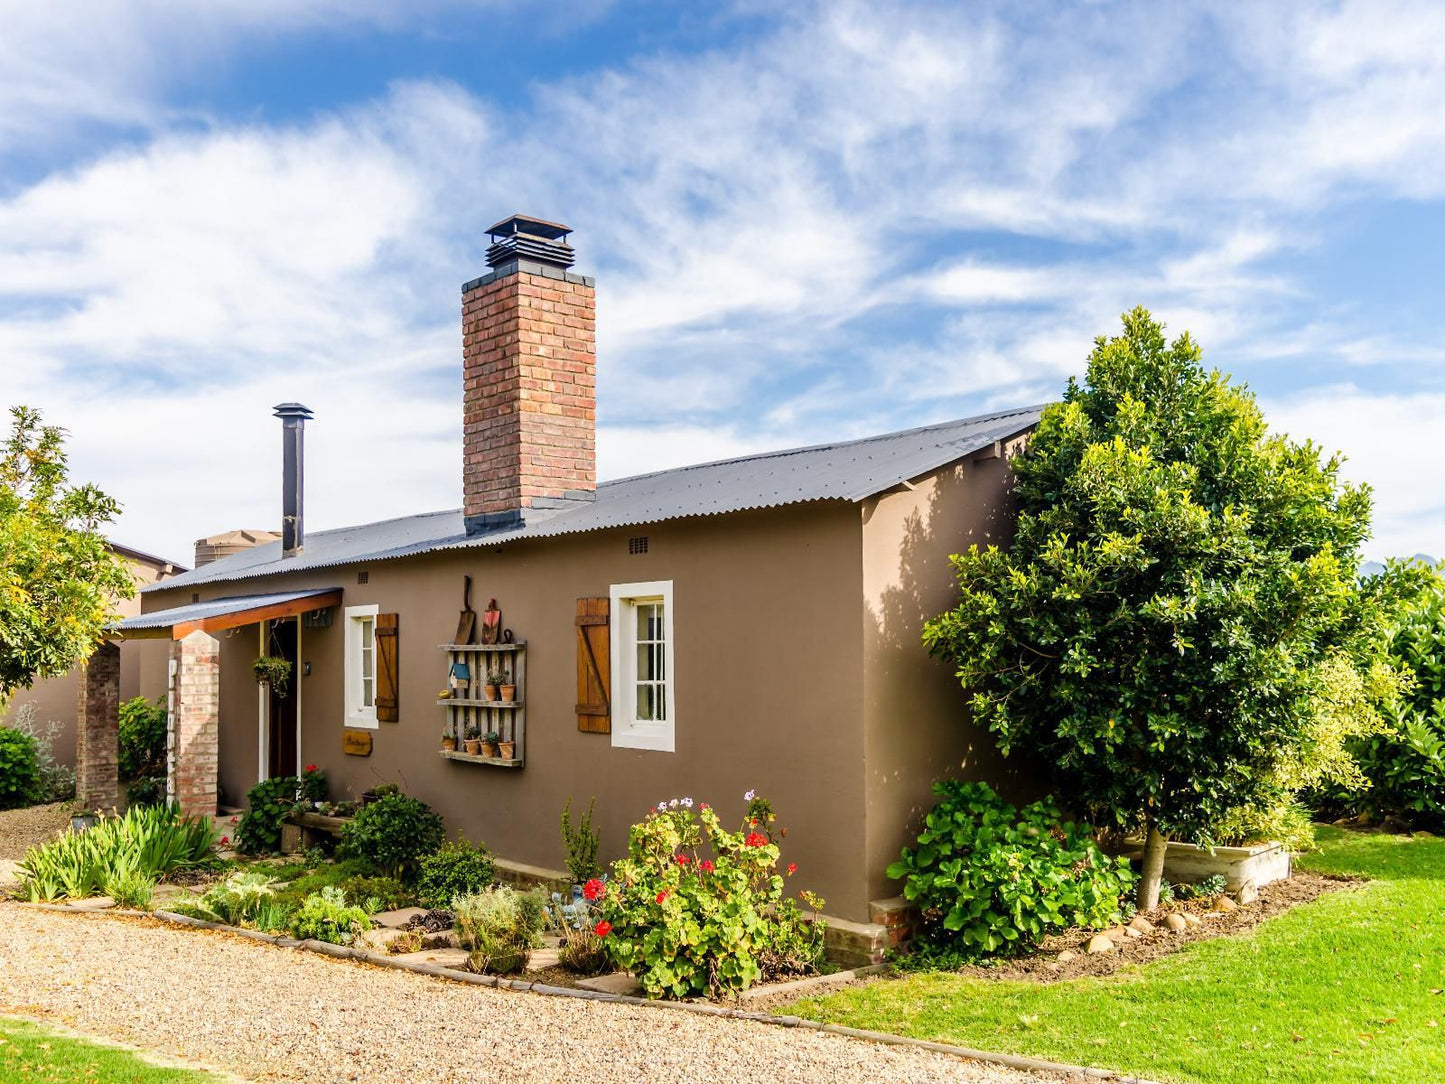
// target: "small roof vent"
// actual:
[[522, 237]]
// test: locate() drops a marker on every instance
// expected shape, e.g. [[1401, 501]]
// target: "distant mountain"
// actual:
[[1374, 568]]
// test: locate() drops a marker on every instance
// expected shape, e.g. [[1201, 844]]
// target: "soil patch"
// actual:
[[1044, 965]]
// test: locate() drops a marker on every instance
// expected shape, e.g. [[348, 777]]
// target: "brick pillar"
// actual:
[[529, 366], [97, 730], [194, 733]]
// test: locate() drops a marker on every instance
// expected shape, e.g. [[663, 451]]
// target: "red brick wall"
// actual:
[[529, 363], [195, 704], [97, 730]]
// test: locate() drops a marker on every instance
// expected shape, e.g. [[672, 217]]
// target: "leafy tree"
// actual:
[[59, 581], [1179, 588]]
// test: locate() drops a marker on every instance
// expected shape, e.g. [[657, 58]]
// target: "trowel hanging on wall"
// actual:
[[467, 619]]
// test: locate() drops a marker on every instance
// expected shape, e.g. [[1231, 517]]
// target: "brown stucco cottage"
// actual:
[[747, 624]]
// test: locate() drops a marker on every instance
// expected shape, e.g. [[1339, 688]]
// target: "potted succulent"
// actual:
[[507, 750], [508, 689], [449, 741], [489, 743], [495, 677], [474, 739]]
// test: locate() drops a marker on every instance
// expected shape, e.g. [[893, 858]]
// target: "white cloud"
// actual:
[[1392, 442], [786, 233]]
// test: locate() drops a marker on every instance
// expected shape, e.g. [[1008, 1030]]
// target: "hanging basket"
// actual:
[[274, 672]]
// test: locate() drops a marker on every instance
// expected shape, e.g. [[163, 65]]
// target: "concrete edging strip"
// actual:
[[345, 952]]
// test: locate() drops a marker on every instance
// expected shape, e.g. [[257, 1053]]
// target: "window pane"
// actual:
[[366, 693], [661, 653], [645, 700]]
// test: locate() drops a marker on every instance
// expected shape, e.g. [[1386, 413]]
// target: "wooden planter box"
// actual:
[[302, 830], [1258, 865]]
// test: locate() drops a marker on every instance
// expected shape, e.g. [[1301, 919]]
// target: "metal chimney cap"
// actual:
[[292, 410], [535, 227]]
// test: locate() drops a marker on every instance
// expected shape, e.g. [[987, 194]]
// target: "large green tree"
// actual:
[[59, 580], [1180, 583]]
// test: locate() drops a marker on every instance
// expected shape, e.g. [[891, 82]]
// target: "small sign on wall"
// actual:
[[356, 743]]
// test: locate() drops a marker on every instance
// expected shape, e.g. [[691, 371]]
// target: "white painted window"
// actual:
[[361, 666], [643, 715]]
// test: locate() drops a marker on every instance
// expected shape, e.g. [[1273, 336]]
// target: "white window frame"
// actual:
[[356, 713], [628, 732]]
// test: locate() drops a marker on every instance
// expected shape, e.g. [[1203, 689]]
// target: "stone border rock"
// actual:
[[346, 952]]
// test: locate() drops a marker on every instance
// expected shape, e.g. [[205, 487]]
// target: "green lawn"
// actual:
[[40, 1055], [1345, 988]]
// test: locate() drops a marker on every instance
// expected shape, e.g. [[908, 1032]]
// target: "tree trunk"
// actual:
[[1154, 844]]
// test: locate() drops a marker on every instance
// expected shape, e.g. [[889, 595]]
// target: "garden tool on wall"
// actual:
[[491, 623], [467, 620]]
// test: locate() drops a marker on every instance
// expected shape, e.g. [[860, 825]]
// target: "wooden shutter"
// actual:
[[594, 666], [387, 687]]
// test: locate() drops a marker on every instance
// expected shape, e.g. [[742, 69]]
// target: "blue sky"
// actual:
[[807, 222]]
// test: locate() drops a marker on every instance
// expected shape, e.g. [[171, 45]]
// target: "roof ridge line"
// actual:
[[802, 448]]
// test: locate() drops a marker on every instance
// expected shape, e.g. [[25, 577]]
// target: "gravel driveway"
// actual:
[[272, 1014]]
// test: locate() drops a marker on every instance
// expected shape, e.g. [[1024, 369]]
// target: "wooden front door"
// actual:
[[282, 709]]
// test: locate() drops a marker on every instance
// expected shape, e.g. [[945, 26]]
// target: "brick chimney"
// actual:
[[529, 367]]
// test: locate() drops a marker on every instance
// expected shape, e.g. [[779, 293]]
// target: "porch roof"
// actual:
[[223, 613]]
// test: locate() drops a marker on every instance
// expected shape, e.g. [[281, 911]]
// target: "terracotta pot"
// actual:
[[449, 744], [473, 746], [509, 693], [507, 750], [488, 749], [489, 692]]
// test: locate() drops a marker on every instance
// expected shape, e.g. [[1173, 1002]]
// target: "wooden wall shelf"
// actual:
[[507, 717]]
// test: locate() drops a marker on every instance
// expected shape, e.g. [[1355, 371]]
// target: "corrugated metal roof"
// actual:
[[220, 607], [849, 471]]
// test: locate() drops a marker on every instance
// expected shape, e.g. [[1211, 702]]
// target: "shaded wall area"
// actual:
[[917, 722], [768, 669]]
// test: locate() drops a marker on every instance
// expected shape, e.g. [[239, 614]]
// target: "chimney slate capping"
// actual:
[[529, 267]]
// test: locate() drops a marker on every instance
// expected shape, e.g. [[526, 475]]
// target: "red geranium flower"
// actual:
[[704, 806], [662, 895], [603, 928], [225, 840], [311, 767], [792, 867], [593, 890], [683, 860], [756, 839], [705, 865]]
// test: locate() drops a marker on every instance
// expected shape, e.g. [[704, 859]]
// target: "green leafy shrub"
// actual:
[[1288, 823], [1203, 889], [581, 841], [235, 901], [990, 879], [394, 833], [326, 916], [143, 841], [313, 786], [130, 888], [142, 738], [147, 790], [56, 781], [695, 909], [457, 869], [268, 803], [499, 927], [19, 769]]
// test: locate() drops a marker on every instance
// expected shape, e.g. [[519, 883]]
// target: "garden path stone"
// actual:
[[394, 919], [1247, 893], [1097, 944], [619, 982], [438, 957], [1224, 905], [94, 903], [542, 958], [311, 1019], [1175, 922], [1140, 924]]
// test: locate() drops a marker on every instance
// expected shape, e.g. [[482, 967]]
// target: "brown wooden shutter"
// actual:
[[387, 687], [594, 666]]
